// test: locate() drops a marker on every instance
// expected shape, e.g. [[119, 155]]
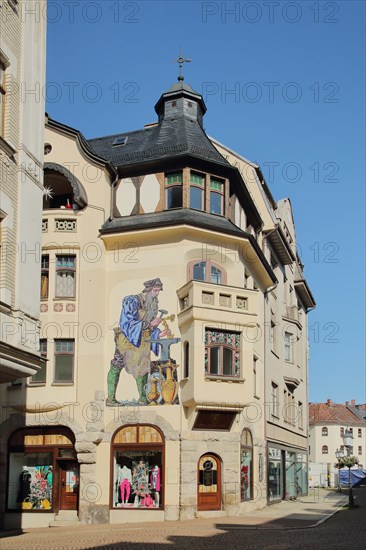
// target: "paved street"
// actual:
[[289, 525]]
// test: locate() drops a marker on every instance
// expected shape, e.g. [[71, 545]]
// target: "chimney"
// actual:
[[329, 401], [353, 403], [347, 403]]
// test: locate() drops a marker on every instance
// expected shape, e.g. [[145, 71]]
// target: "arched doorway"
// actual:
[[209, 483]]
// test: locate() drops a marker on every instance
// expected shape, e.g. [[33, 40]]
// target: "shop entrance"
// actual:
[[209, 483], [69, 484]]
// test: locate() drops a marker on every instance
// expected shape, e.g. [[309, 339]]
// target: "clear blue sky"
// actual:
[[296, 71]]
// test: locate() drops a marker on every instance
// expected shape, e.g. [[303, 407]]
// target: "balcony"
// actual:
[[59, 221], [217, 303]]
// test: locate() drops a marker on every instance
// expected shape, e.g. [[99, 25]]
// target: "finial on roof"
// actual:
[[180, 61]]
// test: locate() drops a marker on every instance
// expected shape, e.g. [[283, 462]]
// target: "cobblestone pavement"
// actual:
[[277, 527]]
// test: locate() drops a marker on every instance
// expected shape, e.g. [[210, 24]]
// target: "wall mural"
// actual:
[[137, 335]]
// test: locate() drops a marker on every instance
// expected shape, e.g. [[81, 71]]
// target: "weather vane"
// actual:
[[180, 61]]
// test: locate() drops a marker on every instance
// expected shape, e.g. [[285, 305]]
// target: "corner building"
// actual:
[[157, 275]]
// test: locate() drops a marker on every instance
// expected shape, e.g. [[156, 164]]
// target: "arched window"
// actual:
[[186, 359], [206, 271], [324, 431], [138, 462], [246, 465], [325, 449]]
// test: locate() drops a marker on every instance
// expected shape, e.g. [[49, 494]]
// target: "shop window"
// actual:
[[324, 431], [206, 271], [275, 474], [174, 190], [197, 191], [45, 276], [138, 458], [325, 449], [40, 376], [222, 353], [246, 466], [64, 361], [217, 196], [33, 454], [65, 276]]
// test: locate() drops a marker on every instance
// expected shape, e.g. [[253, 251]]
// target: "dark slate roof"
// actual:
[[168, 139], [183, 216]]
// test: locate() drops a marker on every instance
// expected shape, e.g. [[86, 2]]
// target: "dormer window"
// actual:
[[217, 196], [173, 187]]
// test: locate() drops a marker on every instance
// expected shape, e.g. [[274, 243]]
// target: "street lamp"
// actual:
[[347, 441], [339, 454]]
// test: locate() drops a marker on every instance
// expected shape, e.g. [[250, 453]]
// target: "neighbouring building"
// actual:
[[174, 328], [327, 424], [22, 78]]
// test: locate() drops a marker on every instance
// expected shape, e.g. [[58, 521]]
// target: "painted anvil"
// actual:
[[165, 344]]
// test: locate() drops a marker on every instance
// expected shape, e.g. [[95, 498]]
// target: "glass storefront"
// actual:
[[138, 465], [275, 480], [287, 474]]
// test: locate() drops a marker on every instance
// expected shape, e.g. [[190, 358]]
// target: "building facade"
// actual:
[[22, 78], [162, 259], [327, 424]]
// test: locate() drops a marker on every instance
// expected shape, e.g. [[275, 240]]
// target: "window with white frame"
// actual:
[[40, 376], [274, 399], [64, 361], [325, 449], [300, 413], [324, 431], [288, 347], [359, 431], [360, 449], [65, 276], [255, 381]]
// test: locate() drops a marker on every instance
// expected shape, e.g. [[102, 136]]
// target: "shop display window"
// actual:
[[275, 480], [246, 466], [137, 468], [30, 481]]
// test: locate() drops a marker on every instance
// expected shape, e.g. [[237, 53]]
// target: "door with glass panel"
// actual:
[[69, 485]]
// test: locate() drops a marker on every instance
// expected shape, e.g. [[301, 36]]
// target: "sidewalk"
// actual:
[[309, 511]]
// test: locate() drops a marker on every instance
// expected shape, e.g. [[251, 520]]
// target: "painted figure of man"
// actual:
[[139, 322]]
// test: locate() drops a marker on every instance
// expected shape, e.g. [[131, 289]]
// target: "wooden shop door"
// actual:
[[209, 483], [69, 485]]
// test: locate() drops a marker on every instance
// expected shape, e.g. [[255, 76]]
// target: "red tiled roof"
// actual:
[[332, 413]]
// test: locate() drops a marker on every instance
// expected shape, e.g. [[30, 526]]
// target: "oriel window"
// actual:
[[173, 188], [65, 276], [197, 191], [217, 196]]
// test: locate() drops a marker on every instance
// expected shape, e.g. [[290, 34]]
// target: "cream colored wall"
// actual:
[[334, 441]]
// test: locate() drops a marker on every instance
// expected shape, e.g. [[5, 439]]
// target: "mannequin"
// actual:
[[124, 480], [155, 483], [140, 480]]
